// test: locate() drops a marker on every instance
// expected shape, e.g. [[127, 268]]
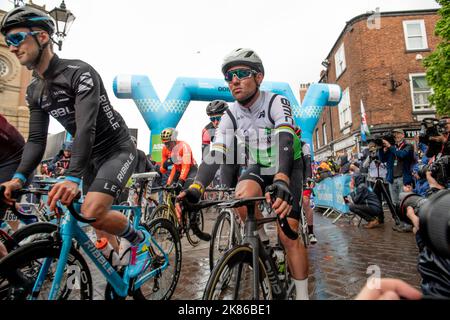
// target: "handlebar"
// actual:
[[190, 207], [41, 191]]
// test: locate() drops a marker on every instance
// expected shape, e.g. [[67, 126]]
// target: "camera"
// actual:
[[431, 127], [378, 139], [440, 170], [434, 219]]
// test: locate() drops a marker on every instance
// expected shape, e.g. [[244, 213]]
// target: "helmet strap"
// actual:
[[32, 65]]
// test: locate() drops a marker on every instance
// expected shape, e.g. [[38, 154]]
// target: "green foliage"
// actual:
[[438, 63]]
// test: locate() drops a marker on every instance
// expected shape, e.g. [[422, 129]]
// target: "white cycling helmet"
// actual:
[[242, 56]]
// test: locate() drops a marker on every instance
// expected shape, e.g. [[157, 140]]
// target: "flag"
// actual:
[[364, 127]]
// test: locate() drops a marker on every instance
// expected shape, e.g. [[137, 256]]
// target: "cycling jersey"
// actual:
[[256, 128], [72, 92], [182, 158]]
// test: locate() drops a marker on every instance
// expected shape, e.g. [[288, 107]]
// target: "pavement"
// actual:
[[339, 264]]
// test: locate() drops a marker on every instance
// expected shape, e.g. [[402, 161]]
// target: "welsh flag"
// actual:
[[364, 127]]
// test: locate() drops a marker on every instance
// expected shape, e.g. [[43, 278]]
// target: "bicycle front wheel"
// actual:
[[76, 283], [220, 238], [163, 284], [163, 211], [191, 237], [232, 277]]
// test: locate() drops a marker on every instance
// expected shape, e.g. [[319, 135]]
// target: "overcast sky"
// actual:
[[178, 38]]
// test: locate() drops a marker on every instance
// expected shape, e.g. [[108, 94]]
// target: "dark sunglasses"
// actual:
[[215, 118], [15, 39], [241, 74]]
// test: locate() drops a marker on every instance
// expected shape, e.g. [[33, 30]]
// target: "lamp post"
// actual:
[[64, 19]]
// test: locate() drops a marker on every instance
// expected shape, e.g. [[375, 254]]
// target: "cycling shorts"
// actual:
[[109, 173]]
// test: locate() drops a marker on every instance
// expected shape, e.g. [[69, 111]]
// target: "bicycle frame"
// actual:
[[69, 230]]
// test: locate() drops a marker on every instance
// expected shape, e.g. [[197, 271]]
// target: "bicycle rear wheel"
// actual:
[[232, 277], [220, 238], [162, 286], [28, 259]]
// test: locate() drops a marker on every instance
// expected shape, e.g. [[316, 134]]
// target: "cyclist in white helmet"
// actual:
[[263, 122]]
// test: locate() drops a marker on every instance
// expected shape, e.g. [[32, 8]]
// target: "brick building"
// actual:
[[14, 80], [377, 59]]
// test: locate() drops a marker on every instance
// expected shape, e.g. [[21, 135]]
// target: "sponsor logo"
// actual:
[[86, 83], [125, 167], [104, 103]]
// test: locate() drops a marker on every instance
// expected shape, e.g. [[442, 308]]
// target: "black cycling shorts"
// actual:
[[110, 173], [254, 173]]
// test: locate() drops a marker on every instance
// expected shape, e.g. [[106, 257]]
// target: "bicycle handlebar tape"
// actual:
[[291, 234], [78, 216]]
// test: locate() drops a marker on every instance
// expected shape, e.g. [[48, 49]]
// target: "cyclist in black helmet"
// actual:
[[72, 92], [215, 110]]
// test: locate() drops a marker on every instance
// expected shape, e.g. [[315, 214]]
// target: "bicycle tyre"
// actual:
[[220, 279], [27, 255], [224, 217], [152, 286], [34, 229], [163, 211]]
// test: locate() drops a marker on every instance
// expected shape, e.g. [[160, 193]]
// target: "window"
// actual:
[[415, 35], [345, 112], [317, 138], [420, 90], [339, 60], [324, 133]]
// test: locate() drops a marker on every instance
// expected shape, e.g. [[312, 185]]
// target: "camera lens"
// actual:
[[434, 225]]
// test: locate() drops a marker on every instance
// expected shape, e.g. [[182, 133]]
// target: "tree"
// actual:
[[438, 63]]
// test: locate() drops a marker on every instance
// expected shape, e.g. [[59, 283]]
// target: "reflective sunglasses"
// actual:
[[217, 118], [241, 74], [15, 39]]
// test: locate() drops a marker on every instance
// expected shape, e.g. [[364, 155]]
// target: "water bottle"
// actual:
[[107, 249], [281, 263]]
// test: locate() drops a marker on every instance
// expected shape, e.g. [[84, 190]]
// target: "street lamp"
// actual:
[[64, 19]]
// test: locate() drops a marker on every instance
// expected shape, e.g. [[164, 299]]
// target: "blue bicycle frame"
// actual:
[[71, 230]]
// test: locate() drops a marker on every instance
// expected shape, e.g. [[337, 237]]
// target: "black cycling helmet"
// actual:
[[27, 17], [216, 107], [242, 56]]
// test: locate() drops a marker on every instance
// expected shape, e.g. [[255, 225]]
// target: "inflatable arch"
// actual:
[[159, 115]]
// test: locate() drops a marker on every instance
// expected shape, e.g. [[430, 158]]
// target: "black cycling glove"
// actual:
[[280, 189]]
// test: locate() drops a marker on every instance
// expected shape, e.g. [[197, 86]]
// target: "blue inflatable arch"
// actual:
[[159, 115]]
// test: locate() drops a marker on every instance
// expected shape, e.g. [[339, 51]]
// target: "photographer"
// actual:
[[364, 202], [434, 134], [376, 171], [430, 218], [399, 159]]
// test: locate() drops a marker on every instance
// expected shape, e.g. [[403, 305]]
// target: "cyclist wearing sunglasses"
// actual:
[[263, 122], [214, 110], [177, 155], [72, 92]]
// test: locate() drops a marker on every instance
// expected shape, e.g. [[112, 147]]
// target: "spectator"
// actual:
[[376, 171], [399, 159], [61, 161], [364, 202], [421, 185], [344, 164]]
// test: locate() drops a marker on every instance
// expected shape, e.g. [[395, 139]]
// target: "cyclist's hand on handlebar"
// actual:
[[177, 186], [193, 195], [64, 191], [10, 186], [279, 190]]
